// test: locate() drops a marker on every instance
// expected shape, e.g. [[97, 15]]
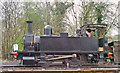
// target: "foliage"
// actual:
[[90, 13], [57, 14], [15, 14]]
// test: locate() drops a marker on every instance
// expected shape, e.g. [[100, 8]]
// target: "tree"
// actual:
[[15, 14], [90, 13], [10, 13]]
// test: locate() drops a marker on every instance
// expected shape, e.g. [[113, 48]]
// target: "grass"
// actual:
[[4, 60]]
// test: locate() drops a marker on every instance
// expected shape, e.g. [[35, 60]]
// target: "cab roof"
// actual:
[[95, 25]]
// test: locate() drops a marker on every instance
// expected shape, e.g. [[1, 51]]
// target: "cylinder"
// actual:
[[29, 27]]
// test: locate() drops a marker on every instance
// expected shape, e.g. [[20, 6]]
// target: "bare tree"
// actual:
[[10, 14], [90, 12]]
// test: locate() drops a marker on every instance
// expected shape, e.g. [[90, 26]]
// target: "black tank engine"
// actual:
[[47, 49]]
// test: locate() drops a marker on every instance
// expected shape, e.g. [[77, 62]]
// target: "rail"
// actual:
[[34, 69]]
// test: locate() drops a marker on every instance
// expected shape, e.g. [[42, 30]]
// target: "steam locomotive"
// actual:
[[48, 49]]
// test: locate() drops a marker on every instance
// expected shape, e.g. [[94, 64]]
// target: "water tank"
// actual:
[[48, 30]]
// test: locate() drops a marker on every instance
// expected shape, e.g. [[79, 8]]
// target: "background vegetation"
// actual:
[[62, 16]]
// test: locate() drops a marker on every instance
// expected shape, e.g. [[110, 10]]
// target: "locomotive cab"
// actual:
[[97, 30]]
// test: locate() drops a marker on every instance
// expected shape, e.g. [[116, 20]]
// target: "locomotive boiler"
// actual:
[[47, 49]]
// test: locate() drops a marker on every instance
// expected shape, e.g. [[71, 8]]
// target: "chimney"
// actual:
[[29, 27]]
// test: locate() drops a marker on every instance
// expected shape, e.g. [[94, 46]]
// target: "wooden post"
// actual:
[[119, 20], [0, 35], [116, 43]]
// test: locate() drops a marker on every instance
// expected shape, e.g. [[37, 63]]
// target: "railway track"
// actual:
[[59, 68], [89, 66], [50, 70], [62, 66]]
